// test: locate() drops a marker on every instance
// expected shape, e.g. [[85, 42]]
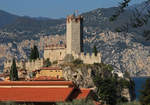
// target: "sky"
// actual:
[[55, 8]]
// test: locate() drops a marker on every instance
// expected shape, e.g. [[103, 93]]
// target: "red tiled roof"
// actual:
[[83, 93], [35, 94], [35, 83], [47, 78], [80, 93]]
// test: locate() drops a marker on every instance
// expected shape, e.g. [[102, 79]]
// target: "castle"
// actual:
[[73, 46]]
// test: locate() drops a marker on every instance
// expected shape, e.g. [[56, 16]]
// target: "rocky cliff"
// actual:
[[83, 76], [125, 51]]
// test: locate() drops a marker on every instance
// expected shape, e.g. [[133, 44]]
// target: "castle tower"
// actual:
[[74, 33]]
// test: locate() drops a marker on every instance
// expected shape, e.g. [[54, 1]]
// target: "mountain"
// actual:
[[126, 51], [96, 20], [6, 18]]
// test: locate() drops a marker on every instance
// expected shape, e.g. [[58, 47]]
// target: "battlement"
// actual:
[[56, 46], [73, 18], [88, 58], [28, 65]]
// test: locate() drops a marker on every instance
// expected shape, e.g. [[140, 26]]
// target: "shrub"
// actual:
[[145, 93], [77, 102], [47, 63], [77, 61], [130, 103], [55, 62]]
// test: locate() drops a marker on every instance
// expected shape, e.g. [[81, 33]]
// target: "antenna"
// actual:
[[76, 12]]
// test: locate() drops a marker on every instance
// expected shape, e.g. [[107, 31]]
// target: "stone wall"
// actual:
[[7, 65], [88, 58], [34, 65], [28, 65], [55, 53]]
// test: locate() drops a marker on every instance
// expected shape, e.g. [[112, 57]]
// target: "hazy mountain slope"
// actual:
[[6, 18]]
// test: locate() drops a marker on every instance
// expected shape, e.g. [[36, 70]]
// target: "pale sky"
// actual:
[[55, 8]]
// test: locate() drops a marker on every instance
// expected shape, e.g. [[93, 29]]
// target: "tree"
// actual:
[[145, 93], [13, 71], [106, 90], [47, 63], [95, 50], [34, 53]]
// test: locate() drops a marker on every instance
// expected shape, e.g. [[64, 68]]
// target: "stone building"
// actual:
[[49, 72]]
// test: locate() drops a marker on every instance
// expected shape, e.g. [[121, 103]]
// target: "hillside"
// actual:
[[6, 18], [94, 21]]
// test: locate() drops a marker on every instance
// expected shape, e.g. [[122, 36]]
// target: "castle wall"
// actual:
[[7, 65], [34, 65], [29, 65], [88, 58]]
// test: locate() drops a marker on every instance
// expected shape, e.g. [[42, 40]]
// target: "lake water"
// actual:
[[139, 81]]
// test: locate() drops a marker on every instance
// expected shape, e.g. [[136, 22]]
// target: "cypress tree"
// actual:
[[13, 71], [95, 50], [34, 53]]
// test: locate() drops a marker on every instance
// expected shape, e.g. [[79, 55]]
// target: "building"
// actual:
[[55, 72], [41, 91]]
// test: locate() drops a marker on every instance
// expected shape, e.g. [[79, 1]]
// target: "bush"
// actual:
[[77, 102], [145, 93], [69, 58], [130, 103], [55, 62], [47, 63], [77, 61]]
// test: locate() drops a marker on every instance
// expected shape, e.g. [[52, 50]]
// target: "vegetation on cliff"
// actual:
[[108, 87], [145, 93]]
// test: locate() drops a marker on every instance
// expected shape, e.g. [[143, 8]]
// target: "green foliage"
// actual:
[[109, 87], [145, 93], [13, 71], [77, 102], [95, 50], [15, 103], [34, 53], [47, 63], [77, 61], [130, 103], [104, 67], [69, 58], [121, 9], [124, 83], [55, 62], [106, 90]]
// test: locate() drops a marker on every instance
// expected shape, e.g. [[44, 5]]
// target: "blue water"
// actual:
[[139, 81]]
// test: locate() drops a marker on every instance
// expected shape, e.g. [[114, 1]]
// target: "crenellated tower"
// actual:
[[74, 34]]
